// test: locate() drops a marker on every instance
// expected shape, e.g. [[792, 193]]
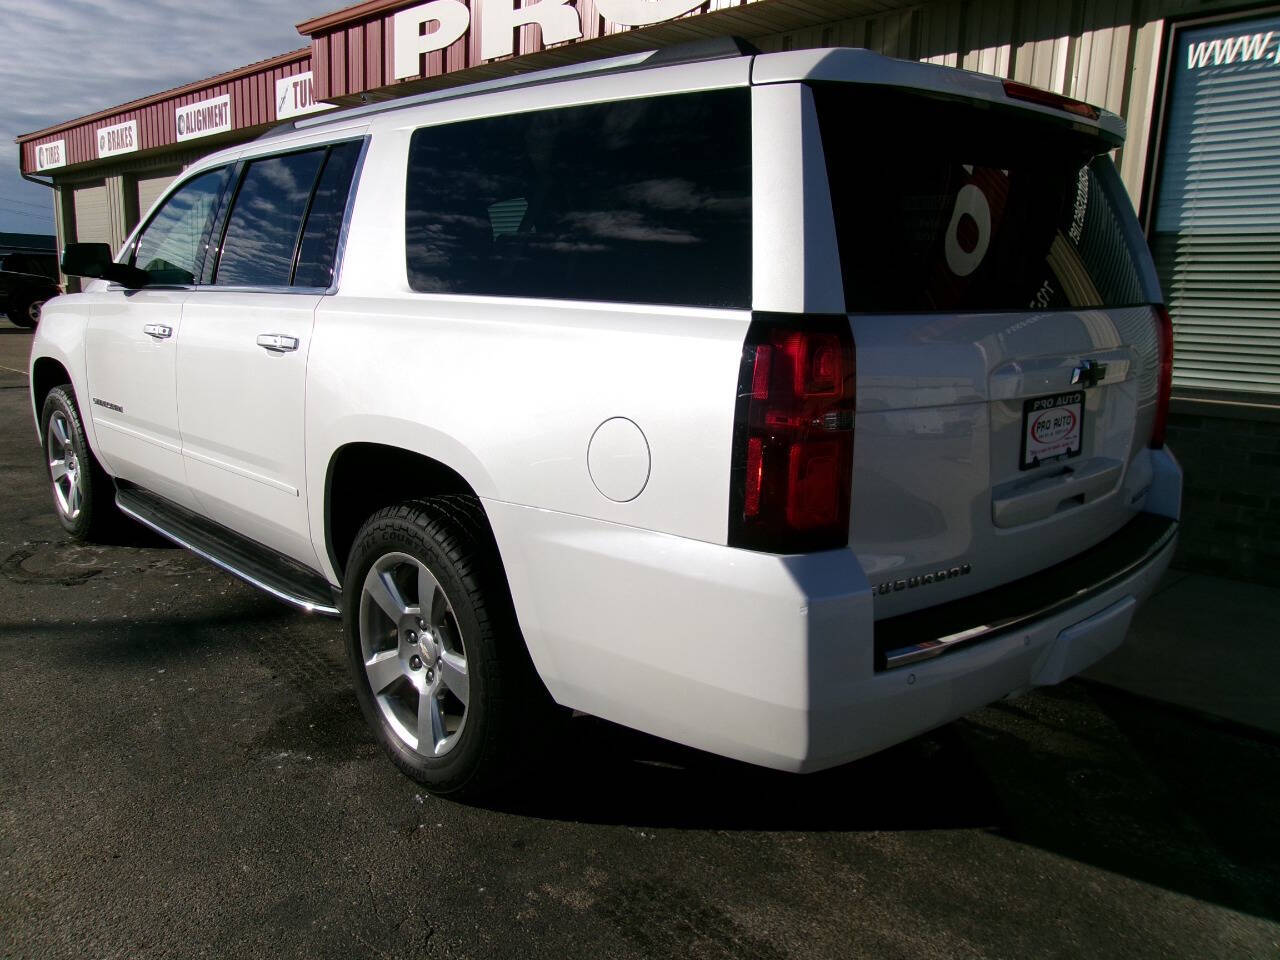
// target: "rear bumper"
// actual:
[[895, 704], [924, 634], [763, 658]]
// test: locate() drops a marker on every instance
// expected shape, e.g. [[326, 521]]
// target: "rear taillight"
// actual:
[[1047, 98], [1164, 326], [793, 436]]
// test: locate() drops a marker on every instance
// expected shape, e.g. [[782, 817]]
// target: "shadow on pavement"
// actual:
[[123, 642], [1169, 799], [1080, 771], [1104, 779], [129, 533], [608, 774]]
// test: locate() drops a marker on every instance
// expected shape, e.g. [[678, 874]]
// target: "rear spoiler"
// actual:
[[851, 65]]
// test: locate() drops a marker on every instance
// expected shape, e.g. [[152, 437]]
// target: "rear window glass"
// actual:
[[948, 207], [644, 201]]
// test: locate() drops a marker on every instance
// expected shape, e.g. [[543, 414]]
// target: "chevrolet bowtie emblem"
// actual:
[[1090, 373]]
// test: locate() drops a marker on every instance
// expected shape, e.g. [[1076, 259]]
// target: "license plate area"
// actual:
[[1052, 428]]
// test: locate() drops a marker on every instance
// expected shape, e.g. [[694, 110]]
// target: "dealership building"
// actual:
[[1197, 81]]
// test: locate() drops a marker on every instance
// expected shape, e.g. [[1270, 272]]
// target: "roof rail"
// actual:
[[712, 48], [278, 130], [715, 48]]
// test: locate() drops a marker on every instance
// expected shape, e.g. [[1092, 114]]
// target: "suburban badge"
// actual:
[[922, 580]]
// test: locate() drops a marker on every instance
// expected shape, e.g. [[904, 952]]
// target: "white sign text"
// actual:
[[294, 97], [120, 138], [203, 118], [50, 155], [435, 25]]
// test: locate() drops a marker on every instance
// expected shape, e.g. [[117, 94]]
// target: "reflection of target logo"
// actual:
[[1052, 425], [972, 218]]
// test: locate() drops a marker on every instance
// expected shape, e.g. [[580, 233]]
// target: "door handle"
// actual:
[[158, 330], [277, 342]]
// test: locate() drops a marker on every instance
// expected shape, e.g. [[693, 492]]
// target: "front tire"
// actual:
[[24, 311], [436, 657], [82, 492]]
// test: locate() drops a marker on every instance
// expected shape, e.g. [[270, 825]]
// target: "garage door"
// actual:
[[150, 188], [1216, 233], [93, 221]]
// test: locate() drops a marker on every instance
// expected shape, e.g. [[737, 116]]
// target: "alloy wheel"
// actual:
[[413, 654], [65, 468]]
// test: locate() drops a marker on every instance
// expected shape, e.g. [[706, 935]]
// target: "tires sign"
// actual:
[[50, 155], [121, 138]]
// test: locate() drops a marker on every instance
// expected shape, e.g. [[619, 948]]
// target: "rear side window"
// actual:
[[266, 220], [643, 201], [318, 250], [947, 207]]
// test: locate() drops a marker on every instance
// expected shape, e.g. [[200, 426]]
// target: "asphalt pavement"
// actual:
[[184, 773]]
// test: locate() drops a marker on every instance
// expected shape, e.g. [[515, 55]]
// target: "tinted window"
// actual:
[[647, 201], [266, 218], [32, 263], [324, 221], [945, 207], [171, 246]]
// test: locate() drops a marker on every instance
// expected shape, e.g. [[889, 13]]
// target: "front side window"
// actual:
[[171, 246], [642, 201], [263, 229]]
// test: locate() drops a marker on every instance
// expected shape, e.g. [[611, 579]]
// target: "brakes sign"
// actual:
[[1052, 427]]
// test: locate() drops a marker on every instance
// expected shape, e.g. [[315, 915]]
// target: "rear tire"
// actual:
[[439, 667], [83, 494]]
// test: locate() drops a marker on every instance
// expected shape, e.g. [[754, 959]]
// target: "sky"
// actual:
[[66, 58]]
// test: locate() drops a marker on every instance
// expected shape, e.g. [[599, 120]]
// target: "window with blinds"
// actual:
[[1216, 225]]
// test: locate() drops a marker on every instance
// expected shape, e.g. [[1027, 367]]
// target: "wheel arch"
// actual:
[[363, 477], [47, 373]]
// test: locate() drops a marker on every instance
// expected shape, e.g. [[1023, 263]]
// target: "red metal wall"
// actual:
[[347, 59], [355, 57], [252, 104]]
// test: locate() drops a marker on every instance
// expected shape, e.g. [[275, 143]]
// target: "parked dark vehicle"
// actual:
[[27, 280]]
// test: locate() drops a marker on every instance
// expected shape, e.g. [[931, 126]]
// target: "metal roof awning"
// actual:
[[385, 48], [382, 49], [239, 100]]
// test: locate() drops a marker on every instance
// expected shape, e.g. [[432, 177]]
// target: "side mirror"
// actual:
[[94, 260]]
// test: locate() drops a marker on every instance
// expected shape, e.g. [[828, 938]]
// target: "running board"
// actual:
[[253, 563]]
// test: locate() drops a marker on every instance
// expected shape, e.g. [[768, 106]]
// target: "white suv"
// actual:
[[786, 406]]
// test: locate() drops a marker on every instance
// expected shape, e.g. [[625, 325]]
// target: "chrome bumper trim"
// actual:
[[936, 646]]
